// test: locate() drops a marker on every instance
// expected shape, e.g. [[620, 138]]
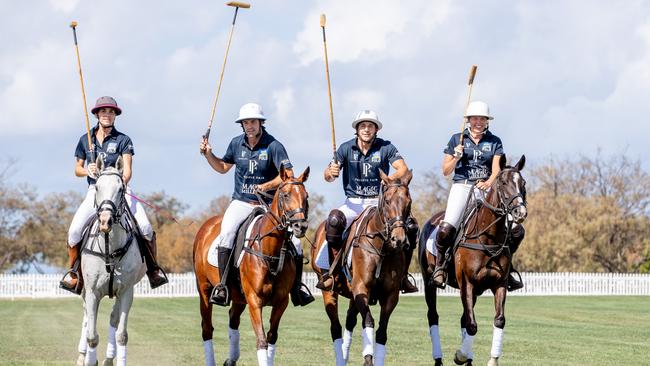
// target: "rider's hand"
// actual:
[[484, 185], [91, 170], [261, 188], [458, 152], [334, 169], [204, 147]]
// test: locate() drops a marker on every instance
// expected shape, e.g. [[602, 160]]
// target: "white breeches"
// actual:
[[352, 207], [87, 210], [235, 214], [457, 202]]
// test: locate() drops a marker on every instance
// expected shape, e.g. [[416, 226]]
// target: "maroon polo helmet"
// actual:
[[106, 102]]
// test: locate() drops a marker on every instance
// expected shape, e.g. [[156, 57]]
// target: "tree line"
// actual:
[[586, 214]]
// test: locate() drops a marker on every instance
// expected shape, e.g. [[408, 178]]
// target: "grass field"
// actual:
[[539, 331]]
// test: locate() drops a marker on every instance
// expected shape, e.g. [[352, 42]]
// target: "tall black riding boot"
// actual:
[[412, 229], [300, 296], [517, 236], [220, 295], [156, 275], [444, 239]]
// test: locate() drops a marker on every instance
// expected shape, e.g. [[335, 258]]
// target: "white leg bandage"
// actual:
[[468, 343], [83, 338], [497, 342], [91, 356], [208, 349], [380, 354], [110, 347], [436, 348], [368, 341], [270, 354], [347, 342], [233, 336], [121, 355], [262, 358], [338, 352]]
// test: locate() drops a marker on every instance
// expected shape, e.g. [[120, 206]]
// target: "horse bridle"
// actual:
[[391, 223], [505, 207], [108, 205], [286, 217]]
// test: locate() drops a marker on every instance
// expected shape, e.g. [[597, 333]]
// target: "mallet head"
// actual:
[[73, 24], [238, 4], [322, 20]]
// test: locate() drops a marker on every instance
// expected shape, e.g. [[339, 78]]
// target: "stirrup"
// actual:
[[218, 300], [157, 278], [322, 285], [407, 286], [65, 286], [440, 285], [514, 284], [302, 296]]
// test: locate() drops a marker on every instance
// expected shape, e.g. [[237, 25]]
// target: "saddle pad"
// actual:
[[431, 242], [323, 257], [247, 243], [213, 253]]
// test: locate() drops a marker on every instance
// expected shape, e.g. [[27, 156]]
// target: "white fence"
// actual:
[[183, 285]]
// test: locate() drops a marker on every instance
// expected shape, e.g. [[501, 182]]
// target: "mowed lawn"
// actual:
[[539, 331]]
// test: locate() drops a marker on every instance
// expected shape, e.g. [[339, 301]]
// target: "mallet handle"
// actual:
[[91, 149], [470, 84], [329, 88]]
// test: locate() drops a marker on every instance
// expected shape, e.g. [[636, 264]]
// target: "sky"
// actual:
[[562, 78]]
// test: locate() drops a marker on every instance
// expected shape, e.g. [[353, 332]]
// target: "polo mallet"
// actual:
[[73, 25], [470, 83], [236, 5], [329, 89]]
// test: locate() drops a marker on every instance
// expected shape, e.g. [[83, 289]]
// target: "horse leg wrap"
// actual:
[[338, 352], [262, 357], [347, 342], [380, 354], [233, 337], [497, 342], [436, 348], [467, 344], [91, 355], [270, 354], [83, 341], [121, 355], [368, 341], [110, 347], [208, 350]]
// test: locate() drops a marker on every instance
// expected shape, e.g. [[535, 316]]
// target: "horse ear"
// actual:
[[303, 177], [383, 176], [502, 162], [284, 175], [100, 163], [119, 164], [408, 176], [521, 163]]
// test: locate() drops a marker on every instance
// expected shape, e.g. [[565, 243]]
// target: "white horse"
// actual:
[[111, 265]]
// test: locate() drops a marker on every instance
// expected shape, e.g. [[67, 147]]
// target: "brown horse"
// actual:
[[377, 239], [481, 260], [266, 277]]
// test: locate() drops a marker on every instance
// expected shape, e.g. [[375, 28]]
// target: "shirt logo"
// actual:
[[264, 155], [366, 169], [355, 156], [112, 148], [477, 154], [243, 153], [486, 147], [376, 157], [252, 166]]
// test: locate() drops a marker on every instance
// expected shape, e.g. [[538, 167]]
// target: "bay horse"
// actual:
[[481, 260], [266, 277], [376, 242], [111, 265]]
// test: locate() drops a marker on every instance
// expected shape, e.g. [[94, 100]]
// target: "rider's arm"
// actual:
[[79, 169], [217, 164], [449, 164], [127, 159], [400, 169], [274, 183]]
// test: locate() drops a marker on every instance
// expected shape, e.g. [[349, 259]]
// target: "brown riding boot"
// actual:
[[72, 280], [326, 280], [156, 275]]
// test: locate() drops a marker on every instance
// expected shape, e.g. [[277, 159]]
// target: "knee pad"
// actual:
[[446, 234], [334, 227]]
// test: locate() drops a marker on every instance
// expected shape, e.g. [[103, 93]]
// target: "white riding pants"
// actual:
[[352, 208], [235, 214], [87, 209], [457, 202]]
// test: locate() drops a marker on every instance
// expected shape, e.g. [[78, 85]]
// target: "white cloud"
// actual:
[[284, 103], [66, 6]]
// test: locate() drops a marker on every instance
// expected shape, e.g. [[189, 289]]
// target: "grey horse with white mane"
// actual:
[[111, 265]]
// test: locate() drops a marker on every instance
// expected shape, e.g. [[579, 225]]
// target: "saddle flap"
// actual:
[[243, 232]]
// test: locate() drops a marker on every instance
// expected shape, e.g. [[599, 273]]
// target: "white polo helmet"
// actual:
[[366, 115], [250, 111], [478, 108]]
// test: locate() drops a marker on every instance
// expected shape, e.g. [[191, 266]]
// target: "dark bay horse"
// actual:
[[264, 280], [481, 260], [377, 239]]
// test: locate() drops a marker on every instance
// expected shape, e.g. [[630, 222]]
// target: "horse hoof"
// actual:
[[108, 362], [438, 362], [81, 359], [229, 362], [367, 360], [461, 359], [493, 362]]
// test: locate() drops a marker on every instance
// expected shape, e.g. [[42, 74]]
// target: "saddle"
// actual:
[[240, 239]]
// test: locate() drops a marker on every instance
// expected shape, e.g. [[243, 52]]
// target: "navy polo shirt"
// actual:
[[361, 172], [256, 165], [114, 145], [476, 162]]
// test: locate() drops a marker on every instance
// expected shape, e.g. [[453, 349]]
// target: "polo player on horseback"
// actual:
[[111, 144], [258, 157], [475, 164], [361, 158]]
